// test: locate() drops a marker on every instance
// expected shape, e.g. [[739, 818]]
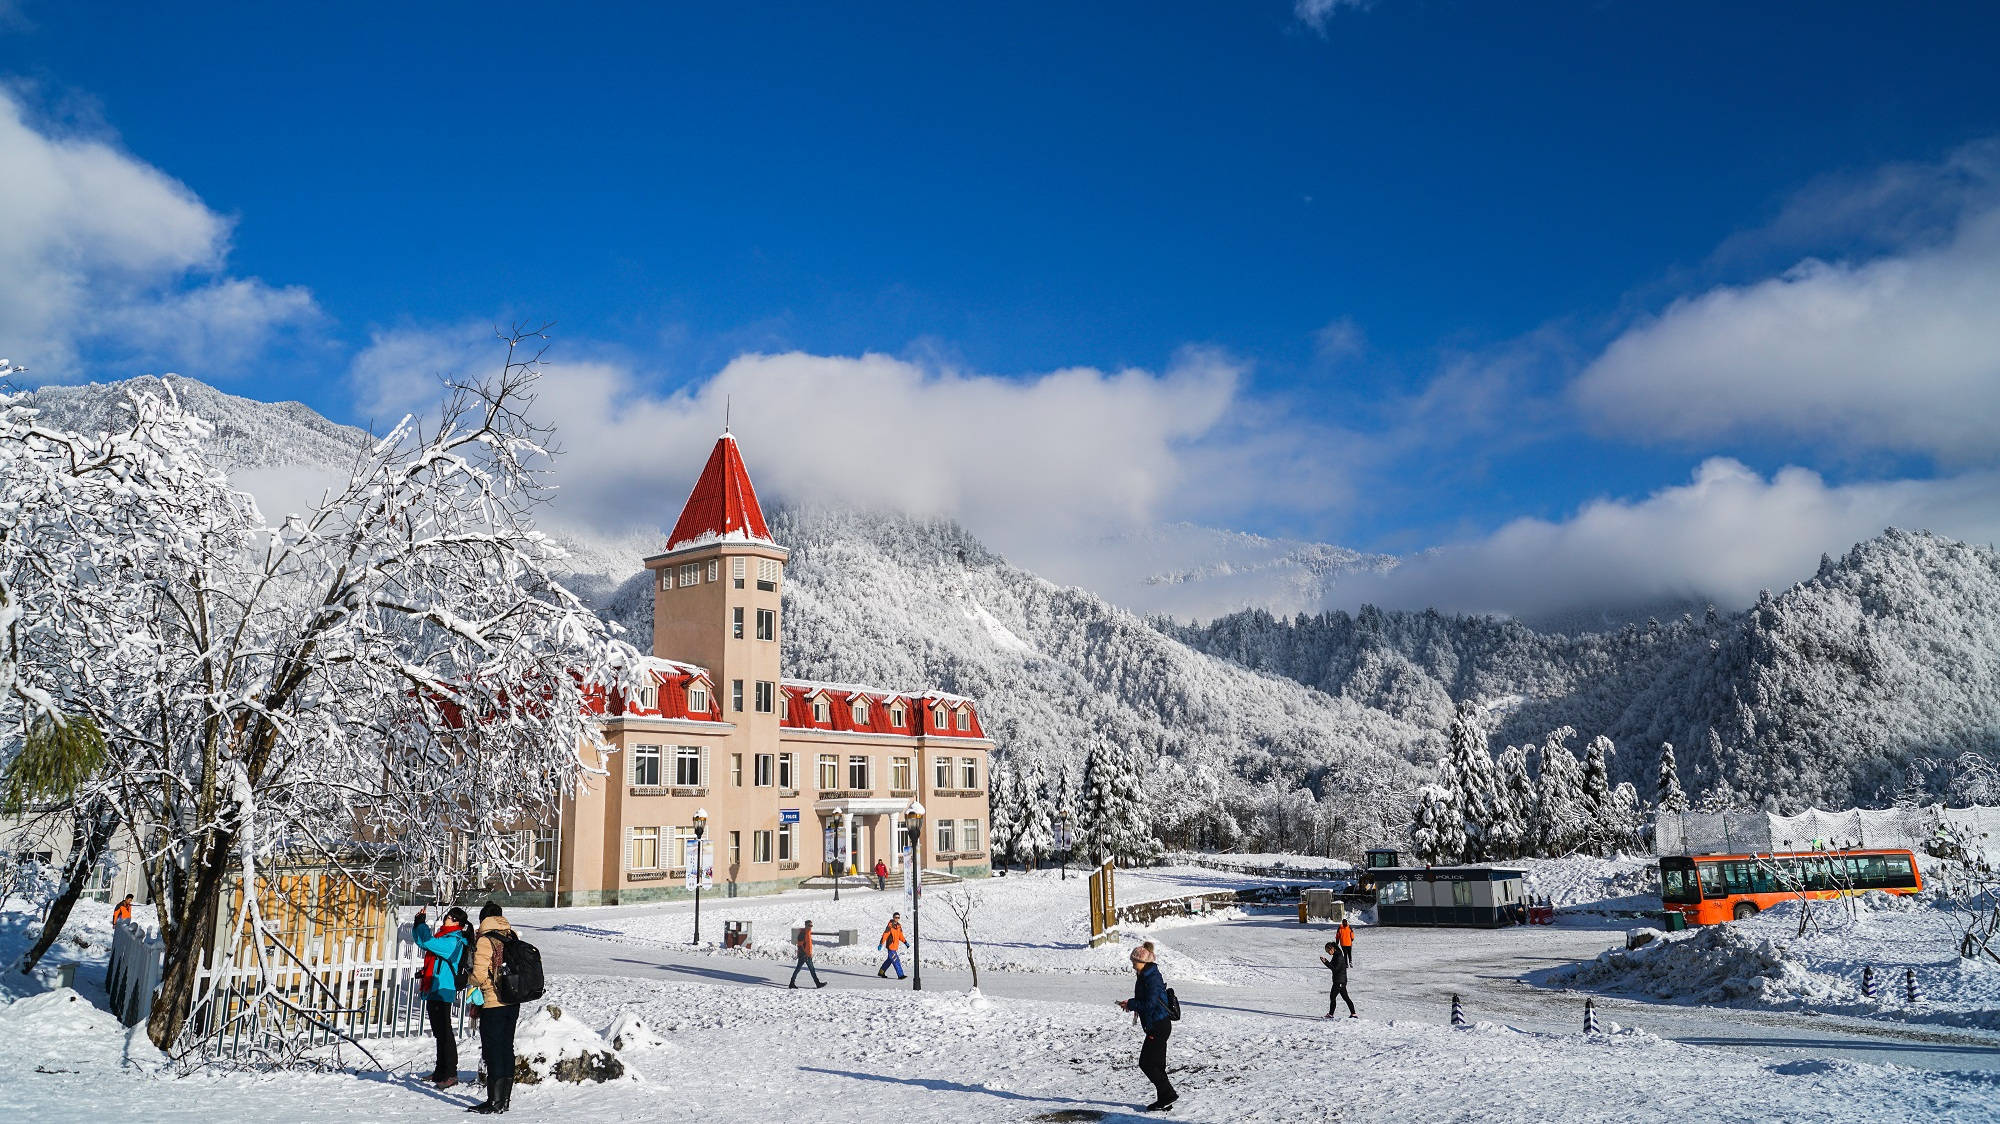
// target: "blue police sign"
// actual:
[[788, 815]]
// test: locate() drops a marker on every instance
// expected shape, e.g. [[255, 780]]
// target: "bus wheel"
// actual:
[[1745, 909]]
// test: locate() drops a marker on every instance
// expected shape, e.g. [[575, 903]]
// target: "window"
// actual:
[[666, 577], [943, 766], [828, 774], [947, 835], [736, 623], [968, 772], [697, 700], [937, 717], [735, 837], [968, 838], [646, 698], [1461, 895], [760, 841], [899, 773], [787, 842], [896, 715], [646, 764], [688, 762], [736, 571], [765, 765], [857, 773], [788, 772], [767, 696], [645, 849], [860, 710], [736, 695], [691, 574], [767, 624], [820, 711], [680, 849], [1393, 893], [736, 769], [767, 574], [714, 570], [965, 718]]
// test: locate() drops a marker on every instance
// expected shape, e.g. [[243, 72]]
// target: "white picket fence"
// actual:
[[348, 995], [136, 955], [324, 999]]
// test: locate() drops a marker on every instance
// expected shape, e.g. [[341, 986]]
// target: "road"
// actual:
[[1271, 964]]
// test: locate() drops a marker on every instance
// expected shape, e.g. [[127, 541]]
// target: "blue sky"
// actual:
[[1384, 252]]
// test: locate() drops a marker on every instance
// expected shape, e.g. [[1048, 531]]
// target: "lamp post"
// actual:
[[839, 860], [1063, 841], [694, 867], [913, 823]]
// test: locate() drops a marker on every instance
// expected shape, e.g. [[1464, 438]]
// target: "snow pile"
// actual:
[[553, 1046], [1588, 884], [1763, 962], [85, 942], [630, 1031]]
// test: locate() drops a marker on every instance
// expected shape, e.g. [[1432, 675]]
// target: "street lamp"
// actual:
[[1063, 841], [913, 823], [839, 862], [694, 867]]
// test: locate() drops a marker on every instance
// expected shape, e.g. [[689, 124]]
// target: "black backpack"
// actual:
[[518, 978], [1173, 1006]]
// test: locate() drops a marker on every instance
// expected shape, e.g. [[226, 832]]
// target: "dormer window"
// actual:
[[860, 712], [965, 718], [820, 711], [697, 700], [646, 698], [937, 717], [896, 715]]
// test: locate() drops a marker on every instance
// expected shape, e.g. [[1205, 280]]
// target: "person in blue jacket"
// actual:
[[444, 970], [1149, 1005]]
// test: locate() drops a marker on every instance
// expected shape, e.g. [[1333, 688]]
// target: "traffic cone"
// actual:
[[1457, 1013], [1868, 982], [1590, 1016], [1910, 984]]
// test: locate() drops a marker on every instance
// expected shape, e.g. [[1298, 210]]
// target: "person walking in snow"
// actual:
[[1336, 962], [892, 940], [1345, 935], [123, 912], [444, 968], [881, 875], [497, 1020], [1149, 1006], [805, 960]]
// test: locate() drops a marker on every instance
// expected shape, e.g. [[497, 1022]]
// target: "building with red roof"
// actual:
[[798, 778]]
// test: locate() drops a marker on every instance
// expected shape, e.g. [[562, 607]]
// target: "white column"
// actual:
[[848, 821], [896, 841]]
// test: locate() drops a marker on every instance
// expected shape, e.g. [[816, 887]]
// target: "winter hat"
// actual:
[[1143, 954]]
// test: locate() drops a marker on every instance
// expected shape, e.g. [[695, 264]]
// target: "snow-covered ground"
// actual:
[[1588, 884], [1762, 962]]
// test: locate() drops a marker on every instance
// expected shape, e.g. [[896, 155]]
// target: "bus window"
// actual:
[[1896, 871], [1677, 882], [1712, 885], [1870, 873]]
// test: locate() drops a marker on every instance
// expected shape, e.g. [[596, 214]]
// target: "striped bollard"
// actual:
[[1590, 1016], [1910, 984], [1868, 982], [1457, 1015]]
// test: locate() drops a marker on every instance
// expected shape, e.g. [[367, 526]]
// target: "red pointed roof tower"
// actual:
[[723, 506]]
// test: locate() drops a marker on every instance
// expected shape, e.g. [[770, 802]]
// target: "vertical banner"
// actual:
[[827, 856], [910, 879], [707, 864]]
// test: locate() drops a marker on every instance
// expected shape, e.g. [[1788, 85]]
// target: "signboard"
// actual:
[[701, 865], [788, 815], [826, 845], [1103, 905], [911, 883]]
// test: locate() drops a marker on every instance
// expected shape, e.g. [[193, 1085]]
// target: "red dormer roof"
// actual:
[[723, 505]]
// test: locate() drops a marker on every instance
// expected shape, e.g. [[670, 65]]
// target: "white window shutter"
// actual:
[[628, 848], [704, 766]]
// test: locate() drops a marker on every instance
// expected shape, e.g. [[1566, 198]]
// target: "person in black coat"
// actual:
[[1336, 962], [1149, 1005]]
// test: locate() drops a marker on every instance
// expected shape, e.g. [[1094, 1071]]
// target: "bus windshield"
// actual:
[[1677, 881]]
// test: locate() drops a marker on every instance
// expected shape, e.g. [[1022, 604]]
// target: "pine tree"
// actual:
[[1035, 830], [1468, 774], [1668, 796], [1098, 794], [1438, 834], [1558, 796], [1002, 804], [1514, 807], [1117, 822], [1598, 814]]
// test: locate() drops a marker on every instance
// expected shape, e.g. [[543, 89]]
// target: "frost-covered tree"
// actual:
[[1002, 810], [1668, 796], [1624, 823], [1116, 823], [1598, 813], [1561, 825], [1034, 839], [1511, 835], [1467, 771], [1438, 834], [397, 664]]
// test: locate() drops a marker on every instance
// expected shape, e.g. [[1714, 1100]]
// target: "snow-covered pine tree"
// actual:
[[1627, 817], [1514, 805], [1438, 834], [1668, 795], [1001, 811], [1034, 839], [1092, 825], [1116, 814], [1559, 820], [1599, 827], [1468, 772]]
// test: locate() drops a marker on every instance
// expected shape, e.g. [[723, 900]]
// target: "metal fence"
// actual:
[[1697, 833]]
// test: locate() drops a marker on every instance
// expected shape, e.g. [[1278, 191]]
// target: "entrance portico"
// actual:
[[842, 814]]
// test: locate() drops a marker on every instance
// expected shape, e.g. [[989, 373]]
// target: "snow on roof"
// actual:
[[886, 694], [675, 667], [723, 505]]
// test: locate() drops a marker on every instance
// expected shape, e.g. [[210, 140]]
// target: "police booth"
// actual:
[[1476, 896]]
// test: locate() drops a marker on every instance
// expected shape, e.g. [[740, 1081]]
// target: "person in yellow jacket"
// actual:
[[497, 1020], [892, 940]]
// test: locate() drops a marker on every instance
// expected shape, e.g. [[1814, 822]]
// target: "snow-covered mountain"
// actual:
[[1858, 685]]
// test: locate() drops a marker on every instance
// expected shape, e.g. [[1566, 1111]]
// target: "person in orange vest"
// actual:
[[805, 960], [123, 912], [1345, 935], [892, 940]]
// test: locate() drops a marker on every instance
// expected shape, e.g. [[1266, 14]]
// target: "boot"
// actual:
[[882, 972]]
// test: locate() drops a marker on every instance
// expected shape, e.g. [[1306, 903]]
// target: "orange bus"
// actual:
[[1707, 889]]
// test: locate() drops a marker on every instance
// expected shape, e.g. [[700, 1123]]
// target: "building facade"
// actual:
[[798, 777]]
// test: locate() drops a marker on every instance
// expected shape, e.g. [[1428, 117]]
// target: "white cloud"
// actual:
[[99, 250], [1316, 14], [1900, 353], [1721, 537]]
